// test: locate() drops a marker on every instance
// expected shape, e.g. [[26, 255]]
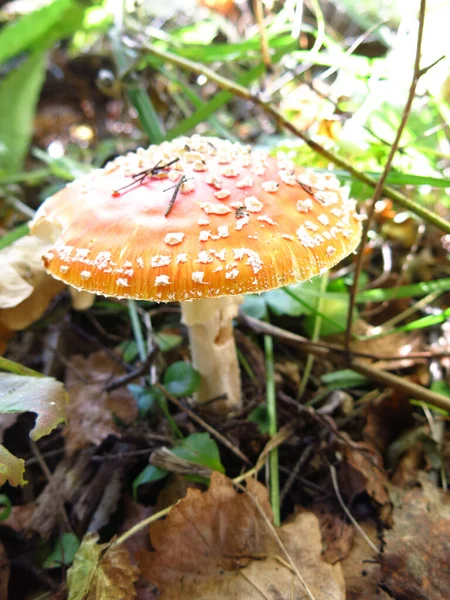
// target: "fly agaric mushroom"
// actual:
[[201, 221]]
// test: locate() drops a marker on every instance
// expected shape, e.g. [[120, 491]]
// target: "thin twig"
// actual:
[[155, 517], [340, 358], [128, 377], [175, 194], [315, 336], [381, 181], [348, 513], [266, 104], [326, 349], [222, 439]]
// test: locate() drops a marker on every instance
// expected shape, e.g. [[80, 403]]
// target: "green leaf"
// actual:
[[42, 395], [19, 93], [129, 350], [167, 341], [63, 551], [24, 32], [255, 306], [148, 475], [147, 398], [260, 416], [181, 379], [281, 303], [405, 291], [13, 235], [5, 507], [201, 449], [14, 367], [345, 378]]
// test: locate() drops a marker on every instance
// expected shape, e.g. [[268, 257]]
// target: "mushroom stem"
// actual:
[[213, 349]]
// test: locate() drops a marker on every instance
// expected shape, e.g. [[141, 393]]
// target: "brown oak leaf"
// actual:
[[91, 410], [218, 545]]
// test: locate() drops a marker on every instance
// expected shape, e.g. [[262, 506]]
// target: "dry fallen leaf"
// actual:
[[4, 573], [387, 417], [42, 395], [91, 410], [362, 569], [362, 470], [25, 287], [337, 534], [101, 572], [20, 518], [218, 545], [416, 559]]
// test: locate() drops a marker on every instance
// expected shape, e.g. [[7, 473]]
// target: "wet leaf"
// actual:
[[42, 395], [101, 572], [217, 545]]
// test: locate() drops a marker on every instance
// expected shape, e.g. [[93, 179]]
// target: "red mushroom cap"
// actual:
[[240, 222]]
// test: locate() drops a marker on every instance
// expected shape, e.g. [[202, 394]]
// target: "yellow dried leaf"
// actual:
[[12, 468], [25, 287], [101, 572]]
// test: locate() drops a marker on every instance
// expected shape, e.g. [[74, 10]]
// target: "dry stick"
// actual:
[[280, 119], [413, 390], [259, 16], [222, 439], [348, 513], [327, 350], [380, 183]]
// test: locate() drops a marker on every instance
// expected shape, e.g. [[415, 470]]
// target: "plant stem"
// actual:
[[137, 329], [315, 336], [272, 415]]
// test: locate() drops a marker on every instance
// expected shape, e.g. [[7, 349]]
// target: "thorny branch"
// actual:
[[417, 73], [266, 104]]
